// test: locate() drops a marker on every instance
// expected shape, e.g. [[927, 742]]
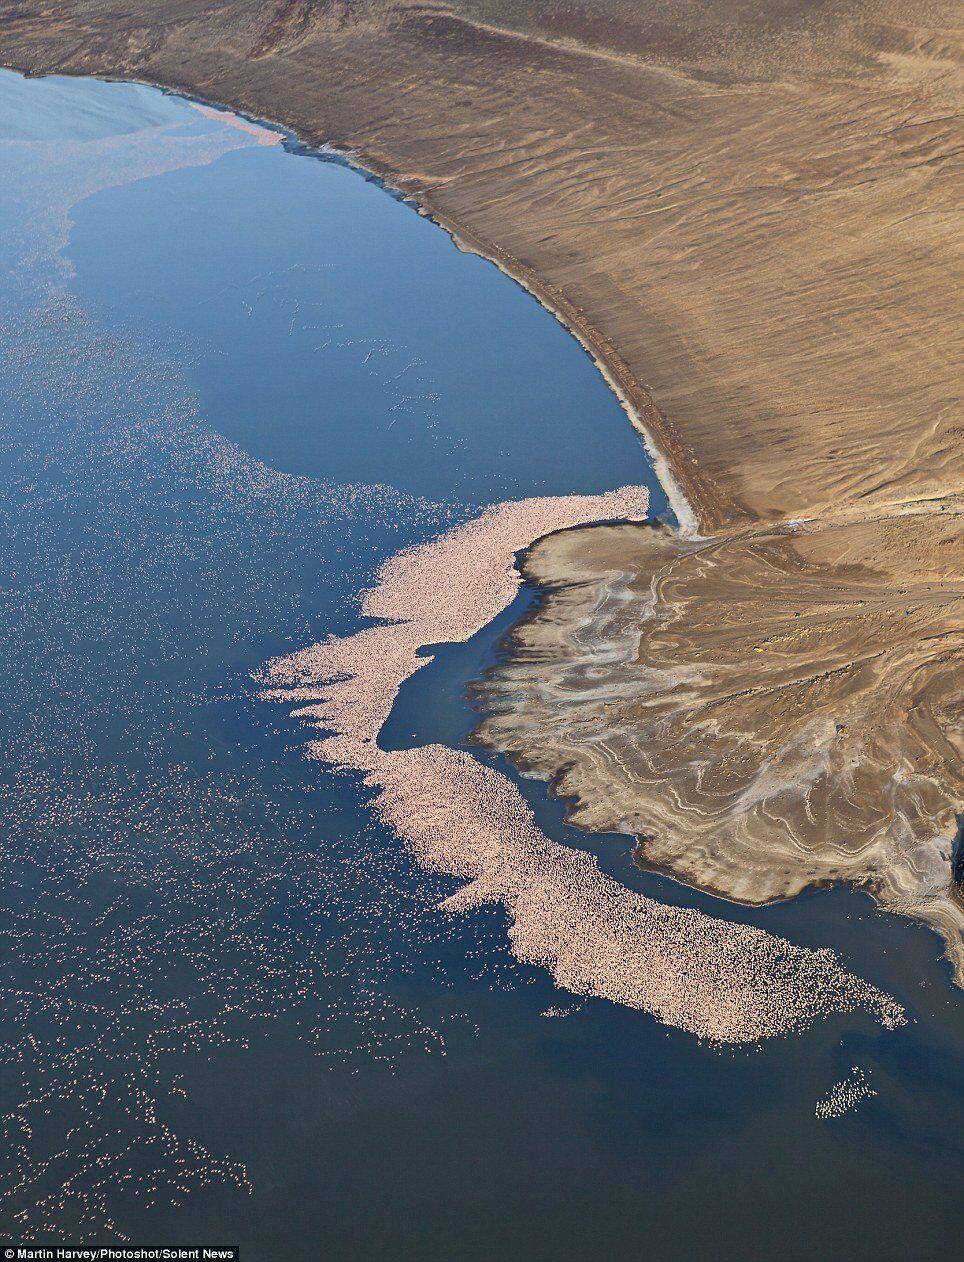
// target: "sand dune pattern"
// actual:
[[721, 981]]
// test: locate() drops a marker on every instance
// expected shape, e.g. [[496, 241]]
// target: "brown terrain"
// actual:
[[749, 211]]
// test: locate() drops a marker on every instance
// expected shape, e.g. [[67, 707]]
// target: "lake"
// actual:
[[237, 376]]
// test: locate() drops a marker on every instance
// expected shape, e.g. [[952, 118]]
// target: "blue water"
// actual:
[[234, 380]]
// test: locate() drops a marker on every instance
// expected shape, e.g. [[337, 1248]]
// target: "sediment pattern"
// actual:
[[712, 701], [721, 981]]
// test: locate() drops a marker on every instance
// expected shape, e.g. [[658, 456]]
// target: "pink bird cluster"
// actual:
[[726, 982]]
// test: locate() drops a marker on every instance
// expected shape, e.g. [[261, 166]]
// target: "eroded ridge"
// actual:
[[726, 982]]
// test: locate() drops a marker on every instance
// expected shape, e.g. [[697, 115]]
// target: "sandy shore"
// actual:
[[750, 214]]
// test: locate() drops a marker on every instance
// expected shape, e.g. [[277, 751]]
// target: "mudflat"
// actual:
[[750, 214]]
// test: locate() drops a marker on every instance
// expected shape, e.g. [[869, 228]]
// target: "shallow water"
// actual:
[[236, 378]]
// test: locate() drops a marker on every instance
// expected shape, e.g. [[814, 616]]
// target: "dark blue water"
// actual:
[[234, 379]]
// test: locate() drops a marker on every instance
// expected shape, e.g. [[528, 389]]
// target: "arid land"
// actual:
[[750, 212]]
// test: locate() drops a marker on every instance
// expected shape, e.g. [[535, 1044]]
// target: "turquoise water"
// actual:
[[235, 378]]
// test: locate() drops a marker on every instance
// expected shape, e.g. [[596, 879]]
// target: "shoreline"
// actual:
[[640, 410], [633, 754], [787, 393]]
